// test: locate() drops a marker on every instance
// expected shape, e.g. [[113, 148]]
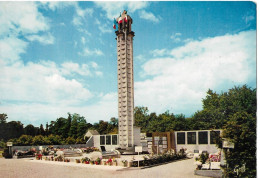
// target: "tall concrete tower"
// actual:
[[125, 81]]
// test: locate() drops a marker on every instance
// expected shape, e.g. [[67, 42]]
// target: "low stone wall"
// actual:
[[25, 148], [209, 173]]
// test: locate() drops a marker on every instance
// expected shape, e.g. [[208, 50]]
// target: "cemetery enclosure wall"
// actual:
[[25, 148]]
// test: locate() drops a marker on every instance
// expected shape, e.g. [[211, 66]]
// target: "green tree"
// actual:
[[59, 127], [14, 129], [82, 127], [24, 140], [47, 129], [3, 118], [217, 108], [3, 125], [235, 112], [141, 117], [38, 140], [67, 126], [113, 126], [29, 130], [42, 131], [70, 140], [74, 126], [241, 130], [54, 139], [2, 144]]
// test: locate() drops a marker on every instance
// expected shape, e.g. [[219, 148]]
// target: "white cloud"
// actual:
[[87, 52], [178, 83], [176, 37], [105, 28], [160, 52], [42, 82], [26, 21], [94, 65], [81, 15], [84, 31], [99, 73], [37, 113], [83, 40], [70, 68], [112, 9], [149, 16], [57, 5], [11, 48], [25, 18], [44, 39]]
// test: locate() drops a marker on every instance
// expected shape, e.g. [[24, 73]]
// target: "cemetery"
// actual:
[[130, 147], [156, 149]]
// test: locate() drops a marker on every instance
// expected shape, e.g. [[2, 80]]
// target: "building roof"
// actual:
[[92, 132]]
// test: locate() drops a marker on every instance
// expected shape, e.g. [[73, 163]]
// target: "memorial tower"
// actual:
[[125, 79]]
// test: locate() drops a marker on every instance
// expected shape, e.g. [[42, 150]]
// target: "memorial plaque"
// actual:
[[138, 149], [165, 142], [228, 144], [9, 143]]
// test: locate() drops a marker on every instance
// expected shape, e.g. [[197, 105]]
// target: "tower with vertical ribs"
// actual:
[[125, 81]]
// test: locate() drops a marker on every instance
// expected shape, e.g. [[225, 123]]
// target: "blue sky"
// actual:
[[60, 57]]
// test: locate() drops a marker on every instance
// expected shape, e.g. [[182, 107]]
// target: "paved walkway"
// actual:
[[20, 168]]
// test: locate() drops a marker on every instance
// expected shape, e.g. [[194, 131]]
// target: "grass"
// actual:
[[1, 151]]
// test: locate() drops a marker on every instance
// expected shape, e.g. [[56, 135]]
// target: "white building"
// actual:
[[197, 140]]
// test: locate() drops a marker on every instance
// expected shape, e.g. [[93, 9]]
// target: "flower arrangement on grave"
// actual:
[[39, 156], [98, 161], [92, 162], [124, 162], [85, 160], [109, 162], [67, 160], [114, 162], [77, 160], [59, 158]]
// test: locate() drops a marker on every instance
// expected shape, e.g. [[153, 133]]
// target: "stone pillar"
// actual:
[[125, 83]]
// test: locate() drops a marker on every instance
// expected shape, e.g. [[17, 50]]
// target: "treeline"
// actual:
[[216, 112], [70, 130]]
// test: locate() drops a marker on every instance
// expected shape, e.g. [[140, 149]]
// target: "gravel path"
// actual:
[[20, 168]]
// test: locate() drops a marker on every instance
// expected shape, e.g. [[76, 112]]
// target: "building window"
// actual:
[[114, 139], [191, 137], [214, 136], [102, 140], [203, 137], [108, 139], [181, 138]]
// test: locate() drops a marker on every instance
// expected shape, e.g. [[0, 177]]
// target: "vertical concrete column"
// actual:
[[125, 83]]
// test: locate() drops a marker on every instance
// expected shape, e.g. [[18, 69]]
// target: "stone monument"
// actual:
[[124, 38]]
